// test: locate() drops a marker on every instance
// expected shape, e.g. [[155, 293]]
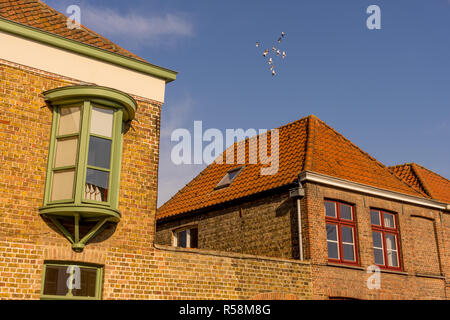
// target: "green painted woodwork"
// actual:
[[85, 50], [70, 296], [102, 95], [78, 207]]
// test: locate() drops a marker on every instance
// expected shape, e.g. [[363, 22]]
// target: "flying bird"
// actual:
[[277, 52]]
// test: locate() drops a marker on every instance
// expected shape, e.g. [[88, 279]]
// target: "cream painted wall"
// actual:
[[65, 63]]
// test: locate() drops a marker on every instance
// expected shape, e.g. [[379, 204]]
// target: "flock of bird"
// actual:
[[276, 51]]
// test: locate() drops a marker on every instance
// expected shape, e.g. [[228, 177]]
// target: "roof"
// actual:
[[36, 14], [425, 180], [306, 144]]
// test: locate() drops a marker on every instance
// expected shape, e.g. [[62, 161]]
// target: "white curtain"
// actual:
[[92, 192]]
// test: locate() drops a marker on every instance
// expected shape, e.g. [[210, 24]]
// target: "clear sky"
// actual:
[[387, 90]]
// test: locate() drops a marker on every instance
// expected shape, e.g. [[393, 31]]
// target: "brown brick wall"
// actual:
[[421, 250], [267, 226], [133, 268]]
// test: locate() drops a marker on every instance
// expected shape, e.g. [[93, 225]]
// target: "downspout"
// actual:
[[298, 193]]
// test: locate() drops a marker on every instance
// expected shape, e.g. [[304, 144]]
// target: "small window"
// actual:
[[186, 238], [71, 281], [341, 232], [228, 178], [385, 237]]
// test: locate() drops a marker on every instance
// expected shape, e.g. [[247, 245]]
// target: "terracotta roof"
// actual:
[[37, 14], [306, 144], [425, 180]]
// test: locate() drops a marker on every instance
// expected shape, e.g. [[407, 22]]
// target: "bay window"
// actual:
[[83, 169]]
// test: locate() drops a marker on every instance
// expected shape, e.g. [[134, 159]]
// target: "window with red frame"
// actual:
[[386, 245], [341, 232]]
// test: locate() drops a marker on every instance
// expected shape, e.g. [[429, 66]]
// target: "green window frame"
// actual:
[[84, 159], [81, 166], [66, 283]]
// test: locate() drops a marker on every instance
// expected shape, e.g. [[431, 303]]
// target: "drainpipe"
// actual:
[[298, 193]]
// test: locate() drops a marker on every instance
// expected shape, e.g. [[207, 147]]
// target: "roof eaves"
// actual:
[[19, 29]]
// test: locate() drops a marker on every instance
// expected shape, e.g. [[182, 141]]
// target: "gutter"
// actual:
[[298, 193], [50, 39], [363, 188]]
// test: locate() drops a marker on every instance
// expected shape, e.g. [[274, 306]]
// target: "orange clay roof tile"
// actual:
[[306, 144], [37, 14], [429, 182]]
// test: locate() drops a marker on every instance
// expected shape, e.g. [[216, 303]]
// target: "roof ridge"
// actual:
[[309, 145], [100, 37], [424, 184], [370, 157], [430, 171]]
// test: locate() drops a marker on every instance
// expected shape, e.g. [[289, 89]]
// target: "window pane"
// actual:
[[55, 282], [88, 279], [379, 258], [392, 258], [377, 239], [102, 121], [99, 152], [182, 239], [69, 120], [330, 209], [66, 152], [346, 211], [389, 221], [232, 174], [391, 243], [194, 238], [347, 234], [332, 250], [96, 187], [375, 218], [349, 252], [62, 185], [331, 232]]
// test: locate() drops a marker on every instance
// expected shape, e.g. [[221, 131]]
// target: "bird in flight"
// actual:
[[276, 52]]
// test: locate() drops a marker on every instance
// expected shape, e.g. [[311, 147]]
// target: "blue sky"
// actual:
[[387, 90]]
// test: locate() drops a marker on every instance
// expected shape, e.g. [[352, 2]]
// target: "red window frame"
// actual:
[[339, 222], [387, 230]]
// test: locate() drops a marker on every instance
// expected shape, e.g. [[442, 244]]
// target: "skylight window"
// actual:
[[228, 178]]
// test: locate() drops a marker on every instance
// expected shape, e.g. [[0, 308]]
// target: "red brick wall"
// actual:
[[422, 249], [133, 268]]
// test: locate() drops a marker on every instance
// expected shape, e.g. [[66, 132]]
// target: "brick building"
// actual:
[[78, 176], [353, 213]]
